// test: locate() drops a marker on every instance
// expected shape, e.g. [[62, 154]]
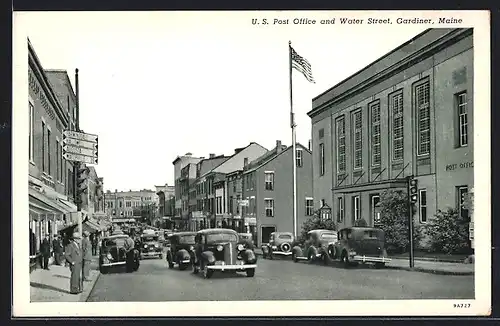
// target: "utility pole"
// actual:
[[76, 165], [412, 199]]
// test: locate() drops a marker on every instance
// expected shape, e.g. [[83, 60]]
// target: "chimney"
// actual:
[[245, 162], [309, 145], [278, 146], [212, 155]]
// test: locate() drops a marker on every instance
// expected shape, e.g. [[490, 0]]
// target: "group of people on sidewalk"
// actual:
[[78, 255]]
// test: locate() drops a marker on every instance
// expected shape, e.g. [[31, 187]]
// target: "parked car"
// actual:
[[222, 250], [316, 246], [181, 249], [118, 250], [361, 245], [150, 245], [280, 243], [247, 238]]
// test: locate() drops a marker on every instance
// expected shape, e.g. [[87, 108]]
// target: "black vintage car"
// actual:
[[118, 250], [150, 245], [181, 249], [222, 250], [280, 243]]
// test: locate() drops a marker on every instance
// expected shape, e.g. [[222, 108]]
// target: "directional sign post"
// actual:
[[80, 147]]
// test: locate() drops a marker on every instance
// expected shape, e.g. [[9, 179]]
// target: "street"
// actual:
[[278, 280]]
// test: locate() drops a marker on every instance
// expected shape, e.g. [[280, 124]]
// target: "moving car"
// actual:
[[181, 249], [280, 243], [361, 245], [150, 245], [118, 250], [316, 247], [222, 250]]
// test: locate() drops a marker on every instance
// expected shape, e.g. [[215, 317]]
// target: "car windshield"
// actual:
[[221, 237], [285, 236], [150, 238], [186, 239], [118, 242], [329, 236], [372, 234]]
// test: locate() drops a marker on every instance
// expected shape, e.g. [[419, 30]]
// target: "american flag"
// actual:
[[302, 65]]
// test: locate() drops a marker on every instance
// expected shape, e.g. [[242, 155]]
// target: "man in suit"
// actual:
[[74, 257], [87, 255], [57, 248], [45, 251]]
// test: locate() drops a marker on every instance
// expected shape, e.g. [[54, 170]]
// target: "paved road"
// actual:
[[278, 280]]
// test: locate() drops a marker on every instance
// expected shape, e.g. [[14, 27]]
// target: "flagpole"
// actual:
[[292, 125]]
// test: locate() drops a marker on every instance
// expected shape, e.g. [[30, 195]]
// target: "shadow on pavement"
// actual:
[[61, 276], [48, 287]]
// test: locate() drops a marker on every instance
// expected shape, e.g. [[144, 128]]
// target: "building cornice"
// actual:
[[42, 78], [421, 54]]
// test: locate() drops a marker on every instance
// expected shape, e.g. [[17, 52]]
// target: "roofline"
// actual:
[[272, 158], [372, 63]]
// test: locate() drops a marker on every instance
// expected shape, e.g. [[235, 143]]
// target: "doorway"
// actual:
[[266, 233]]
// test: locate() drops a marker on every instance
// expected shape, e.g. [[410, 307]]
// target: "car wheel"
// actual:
[[183, 266], [207, 273], [103, 270], [250, 272], [379, 265], [294, 258]]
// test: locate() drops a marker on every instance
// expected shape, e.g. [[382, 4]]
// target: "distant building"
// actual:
[[125, 206], [182, 183], [165, 193], [267, 187], [408, 113]]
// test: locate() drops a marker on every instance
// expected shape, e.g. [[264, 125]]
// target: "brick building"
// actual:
[[126, 206], [408, 113]]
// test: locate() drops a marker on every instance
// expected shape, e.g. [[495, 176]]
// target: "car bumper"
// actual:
[[231, 267], [282, 253], [369, 259], [151, 253], [114, 264], [185, 261]]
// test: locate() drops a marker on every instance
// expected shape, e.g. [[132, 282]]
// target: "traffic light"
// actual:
[[81, 186], [413, 189]]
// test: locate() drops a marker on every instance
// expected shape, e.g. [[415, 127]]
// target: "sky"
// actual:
[[155, 85]]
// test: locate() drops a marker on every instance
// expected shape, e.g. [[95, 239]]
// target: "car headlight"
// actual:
[[191, 248], [145, 246], [240, 247], [109, 256], [219, 248], [352, 252], [156, 245], [274, 247]]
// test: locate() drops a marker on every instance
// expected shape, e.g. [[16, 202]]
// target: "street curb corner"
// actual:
[[430, 271], [86, 294]]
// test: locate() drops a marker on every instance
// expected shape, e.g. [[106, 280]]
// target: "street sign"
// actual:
[[80, 143], [79, 150], [80, 158], [80, 136], [243, 202]]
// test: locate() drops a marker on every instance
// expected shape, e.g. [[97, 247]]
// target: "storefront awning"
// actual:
[[91, 226], [41, 204]]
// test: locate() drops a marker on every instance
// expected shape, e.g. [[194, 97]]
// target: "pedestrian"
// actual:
[[73, 254], [45, 251], [94, 244], [57, 248], [87, 255]]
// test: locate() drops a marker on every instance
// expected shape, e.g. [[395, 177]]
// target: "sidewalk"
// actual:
[[53, 285], [425, 266]]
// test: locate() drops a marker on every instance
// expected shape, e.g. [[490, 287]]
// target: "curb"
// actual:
[[419, 269], [86, 293], [429, 271]]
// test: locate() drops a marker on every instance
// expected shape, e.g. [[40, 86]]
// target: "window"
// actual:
[[31, 131], [356, 208], [128, 204], [61, 163], [298, 157], [423, 117], [238, 198], [358, 140], [321, 159], [218, 207], [269, 178], [321, 133], [423, 205], [121, 204], [269, 206], [230, 204], [375, 115], [309, 206], [43, 146], [57, 161], [48, 153], [376, 209], [462, 193], [463, 135], [340, 145], [396, 104], [340, 212]]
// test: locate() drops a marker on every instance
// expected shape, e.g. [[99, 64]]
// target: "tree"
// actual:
[[315, 222], [394, 221], [360, 222], [448, 232]]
